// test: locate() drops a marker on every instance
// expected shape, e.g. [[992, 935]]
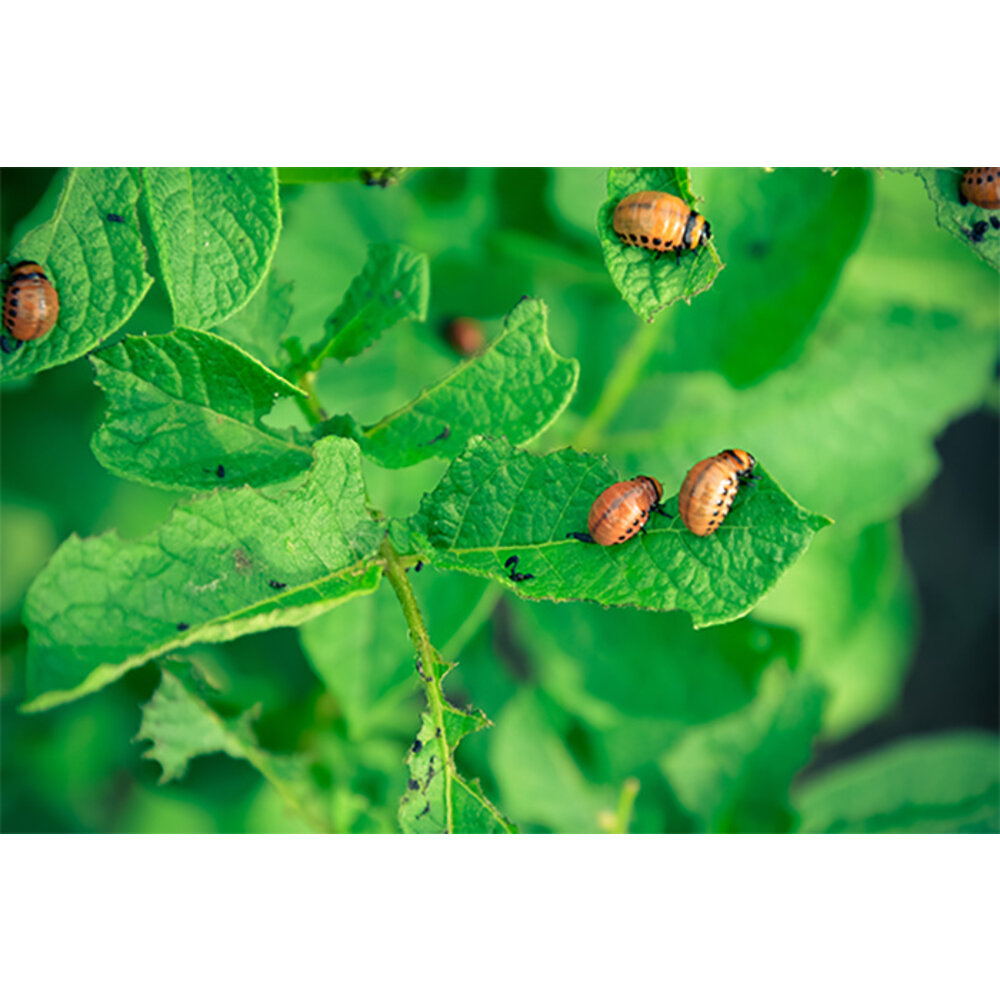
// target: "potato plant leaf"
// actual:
[[970, 224], [514, 389], [785, 237], [495, 503], [185, 412], [732, 774], [538, 779], [941, 783], [224, 564], [215, 232], [259, 326], [649, 282], [438, 798], [93, 254], [181, 724], [393, 285]]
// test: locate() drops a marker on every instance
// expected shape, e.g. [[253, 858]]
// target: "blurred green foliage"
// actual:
[[844, 333]]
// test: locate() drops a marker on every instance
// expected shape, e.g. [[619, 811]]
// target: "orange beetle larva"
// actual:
[[710, 488], [30, 304], [981, 186], [658, 221], [621, 510], [465, 336]]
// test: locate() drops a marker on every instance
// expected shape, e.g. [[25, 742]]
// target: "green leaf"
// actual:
[[646, 281], [393, 285], [185, 412], [961, 220], [182, 725], [495, 503], [223, 565], [850, 426], [436, 791], [215, 232], [944, 783], [733, 774], [784, 235], [260, 324], [96, 264], [853, 604], [364, 656], [638, 679], [514, 389], [540, 783]]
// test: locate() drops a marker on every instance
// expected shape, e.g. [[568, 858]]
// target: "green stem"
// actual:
[[618, 386], [311, 407], [431, 664], [473, 620], [623, 815]]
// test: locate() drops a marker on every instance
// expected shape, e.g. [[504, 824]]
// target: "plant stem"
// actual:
[[623, 816], [628, 369], [428, 658], [310, 406], [475, 618]]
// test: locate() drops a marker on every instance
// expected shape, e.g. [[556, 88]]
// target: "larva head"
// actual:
[[743, 460], [697, 231], [654, 485]]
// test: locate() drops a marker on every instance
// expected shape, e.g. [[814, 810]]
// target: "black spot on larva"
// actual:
[[621, 538], [657, 241], [413, 784], [182, 626]]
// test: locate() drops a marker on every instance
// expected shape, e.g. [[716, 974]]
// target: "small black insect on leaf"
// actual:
[[182, 626], [417, 747], [516, 577], [112, 217], [994, 222], [978, 232], [419, 566], [220, 471], [277, 584], [413, 784]]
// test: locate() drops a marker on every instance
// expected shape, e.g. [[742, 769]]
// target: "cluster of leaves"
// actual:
[[284, 527]]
